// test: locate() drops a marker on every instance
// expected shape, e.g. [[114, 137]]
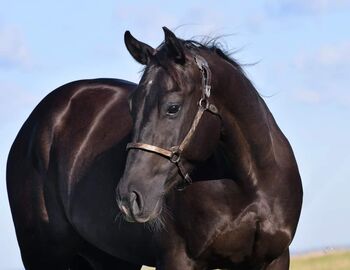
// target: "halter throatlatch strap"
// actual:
[[174, 153]]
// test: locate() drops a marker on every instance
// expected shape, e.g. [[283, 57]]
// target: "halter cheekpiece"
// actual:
[[174, 153]]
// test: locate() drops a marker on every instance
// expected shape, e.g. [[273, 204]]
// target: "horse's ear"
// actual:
[[140, 51], [174, 45]]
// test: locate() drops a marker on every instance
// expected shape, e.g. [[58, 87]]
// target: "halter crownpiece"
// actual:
[[206, 75], [173, 154]]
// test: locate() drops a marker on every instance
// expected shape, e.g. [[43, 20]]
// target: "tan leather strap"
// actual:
[[206, 75], [150, 148], [174, 156], [193, 128]]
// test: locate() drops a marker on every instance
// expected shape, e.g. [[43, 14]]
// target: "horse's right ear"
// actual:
[[140, 51]]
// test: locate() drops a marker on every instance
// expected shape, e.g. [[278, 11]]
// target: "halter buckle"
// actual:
[[175, 155]]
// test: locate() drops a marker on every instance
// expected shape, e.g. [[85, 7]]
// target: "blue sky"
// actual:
[[302, 51]]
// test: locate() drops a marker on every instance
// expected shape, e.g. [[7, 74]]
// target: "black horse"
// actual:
[[62, 172], [193, 102]]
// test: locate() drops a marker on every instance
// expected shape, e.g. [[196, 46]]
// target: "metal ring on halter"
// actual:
[[203, 103], [175, 157]]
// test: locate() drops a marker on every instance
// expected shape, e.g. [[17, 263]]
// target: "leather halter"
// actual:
[[174, 154]]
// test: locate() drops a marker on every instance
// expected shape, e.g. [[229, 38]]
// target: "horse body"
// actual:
[[62, 171]]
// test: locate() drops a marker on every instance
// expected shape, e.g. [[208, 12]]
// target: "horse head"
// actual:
[[176, 123]]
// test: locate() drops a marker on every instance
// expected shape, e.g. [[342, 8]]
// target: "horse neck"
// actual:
[[254, 145]]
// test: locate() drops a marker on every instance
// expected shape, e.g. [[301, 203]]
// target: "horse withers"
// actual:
[[193, 102]]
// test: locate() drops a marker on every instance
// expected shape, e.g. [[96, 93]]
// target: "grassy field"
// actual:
[[339, 260]]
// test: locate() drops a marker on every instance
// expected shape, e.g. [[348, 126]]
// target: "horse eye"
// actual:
[[173, 109]]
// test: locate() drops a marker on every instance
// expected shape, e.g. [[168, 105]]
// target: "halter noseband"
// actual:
[[173, 154]]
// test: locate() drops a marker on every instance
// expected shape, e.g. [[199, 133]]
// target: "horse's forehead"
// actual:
[[160, 79]]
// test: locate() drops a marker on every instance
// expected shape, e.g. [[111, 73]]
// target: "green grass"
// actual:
[[339, 260]]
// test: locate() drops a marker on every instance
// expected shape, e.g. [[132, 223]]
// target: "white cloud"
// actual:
[[13, 48], [329, 56], [324, 74], [194, 20], [329, 93], [322, 5], [148, 18], [300, 7], [309, 96], [334, 54], [256, 21], [15, 101], [276, 11]]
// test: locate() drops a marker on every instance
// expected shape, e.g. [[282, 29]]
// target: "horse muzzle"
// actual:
[[133, 208]]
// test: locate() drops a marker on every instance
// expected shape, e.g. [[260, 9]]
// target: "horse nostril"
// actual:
[[136, 202]]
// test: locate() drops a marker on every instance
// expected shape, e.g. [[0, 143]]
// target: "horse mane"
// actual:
[[215, 46]]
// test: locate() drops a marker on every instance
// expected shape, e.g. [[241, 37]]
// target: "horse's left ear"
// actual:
[[141, 52], [174, 45]]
